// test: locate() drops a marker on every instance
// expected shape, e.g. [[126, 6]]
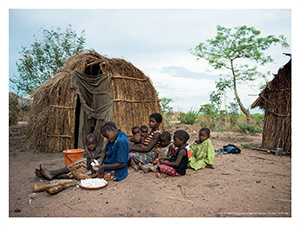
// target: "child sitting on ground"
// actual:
[[175, 165], [165, 149], [79, 169], [203, 153], [93, 153]]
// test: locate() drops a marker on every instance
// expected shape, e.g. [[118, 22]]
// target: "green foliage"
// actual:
[[233, 114], [14, 111], [247, 146], [165, 104], [42, 59], [232, 51], [258, 117], [249, 128], [189, 117], [210, 112]]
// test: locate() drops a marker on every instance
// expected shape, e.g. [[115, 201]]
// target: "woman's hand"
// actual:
[[101, 169]]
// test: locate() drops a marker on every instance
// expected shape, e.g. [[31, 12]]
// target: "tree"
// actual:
[[230, 51], [165, 104], [42, 59]]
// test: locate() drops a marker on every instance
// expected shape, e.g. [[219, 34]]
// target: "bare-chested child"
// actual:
[[137, 139], [144, 131], [82, 165]]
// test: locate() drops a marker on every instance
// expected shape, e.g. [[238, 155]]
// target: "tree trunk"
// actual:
[[243, 109]]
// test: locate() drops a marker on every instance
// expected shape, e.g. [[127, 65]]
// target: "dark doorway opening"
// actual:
[[77, 118]]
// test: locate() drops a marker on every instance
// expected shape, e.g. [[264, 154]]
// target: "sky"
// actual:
[[157, 41]]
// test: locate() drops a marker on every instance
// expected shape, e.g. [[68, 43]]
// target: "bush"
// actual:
[[14, 109], [249, 128], [42, 59], [188, 118]]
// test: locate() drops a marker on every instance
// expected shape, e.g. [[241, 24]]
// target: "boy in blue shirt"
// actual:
[[117, 151]]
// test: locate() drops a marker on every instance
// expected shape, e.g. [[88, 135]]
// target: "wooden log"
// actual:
[[39, 188]]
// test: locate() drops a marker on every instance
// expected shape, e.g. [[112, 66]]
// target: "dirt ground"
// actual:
[[250, 184]]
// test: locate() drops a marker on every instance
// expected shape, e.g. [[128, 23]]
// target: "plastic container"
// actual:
[[72, 155]]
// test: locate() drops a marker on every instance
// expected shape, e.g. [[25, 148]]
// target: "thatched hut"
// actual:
[[89, 91], [275, 99]]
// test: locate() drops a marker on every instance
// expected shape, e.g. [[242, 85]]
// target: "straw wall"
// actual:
[[53, 113], [276, 101]]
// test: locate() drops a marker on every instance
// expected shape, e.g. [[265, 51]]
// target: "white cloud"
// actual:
[[154, 40]]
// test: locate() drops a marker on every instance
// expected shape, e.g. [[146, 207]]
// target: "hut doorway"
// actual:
[[77, 117], [94, 104]]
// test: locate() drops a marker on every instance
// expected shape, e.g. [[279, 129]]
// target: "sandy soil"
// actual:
[[250, 184]]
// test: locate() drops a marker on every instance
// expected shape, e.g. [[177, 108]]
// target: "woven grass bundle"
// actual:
[[54, 111], [275, 99]]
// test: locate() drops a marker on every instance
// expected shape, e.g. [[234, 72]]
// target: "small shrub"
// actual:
[[249, 128], [188, 118], [14, 110], [247, 146]]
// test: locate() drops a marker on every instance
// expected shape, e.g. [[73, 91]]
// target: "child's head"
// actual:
[[135, 130], [165, 138], [180, 137], [91, 141], [204, 134], [137, 138], [144, 131], [155, 120], [110, 131]]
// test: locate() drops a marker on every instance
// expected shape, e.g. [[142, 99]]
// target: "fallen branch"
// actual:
[[283, 200], [183, 200], [39, 188]]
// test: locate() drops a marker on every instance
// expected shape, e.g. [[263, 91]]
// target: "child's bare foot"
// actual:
[[45, 173], [154, 169], [134, 166], [160, 175], [146, 169]]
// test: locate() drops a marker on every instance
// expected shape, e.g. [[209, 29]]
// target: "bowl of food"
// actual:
[[93, 183]]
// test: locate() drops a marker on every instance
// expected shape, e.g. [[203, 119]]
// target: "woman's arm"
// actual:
[[181, 153], [148, 148], [113, 166]]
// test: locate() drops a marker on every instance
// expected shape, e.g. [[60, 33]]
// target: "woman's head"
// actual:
[[110, 131], [155, 120]]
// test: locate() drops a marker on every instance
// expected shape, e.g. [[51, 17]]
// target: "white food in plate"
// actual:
[[93, 182]]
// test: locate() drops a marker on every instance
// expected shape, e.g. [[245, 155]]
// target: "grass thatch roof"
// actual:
[[53, 112], [275, 99]]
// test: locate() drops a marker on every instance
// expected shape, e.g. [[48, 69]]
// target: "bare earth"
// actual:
[[250, 184]]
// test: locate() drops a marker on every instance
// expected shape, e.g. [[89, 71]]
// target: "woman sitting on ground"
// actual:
[[140, 155]]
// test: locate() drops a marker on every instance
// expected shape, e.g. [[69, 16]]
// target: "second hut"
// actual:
[[275, 99]]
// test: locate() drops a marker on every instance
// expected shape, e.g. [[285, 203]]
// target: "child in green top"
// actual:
[[203, 153]]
